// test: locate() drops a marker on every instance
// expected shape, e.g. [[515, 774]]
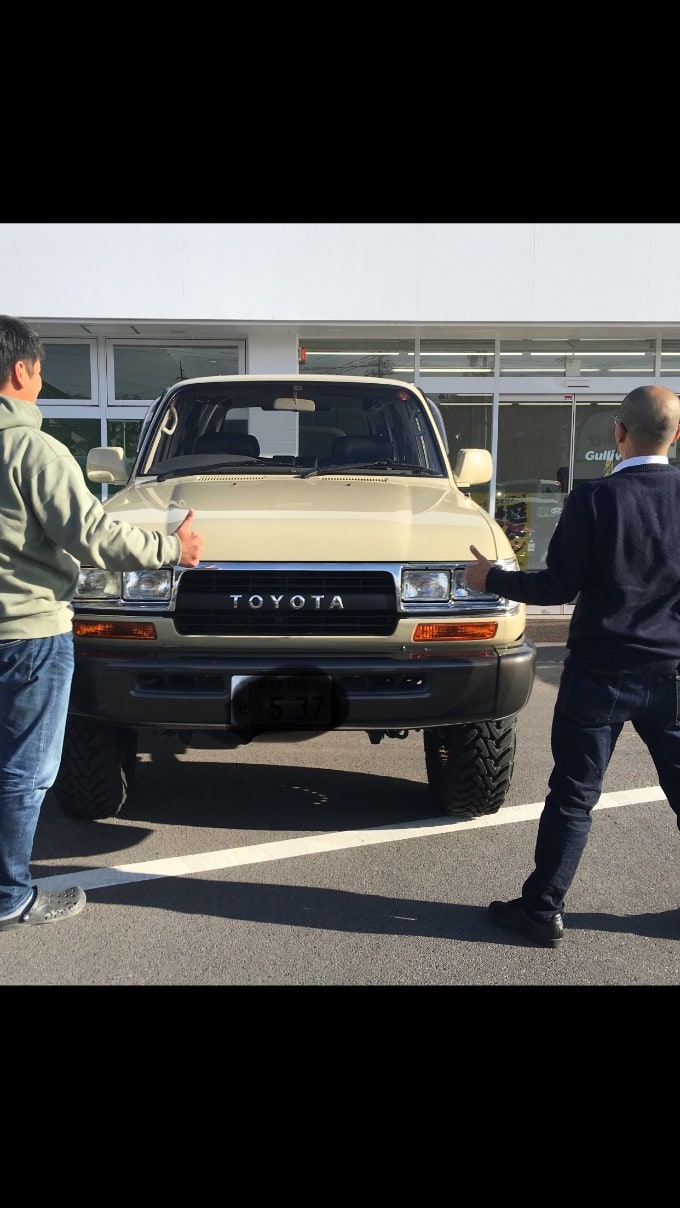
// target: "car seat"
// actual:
[[347, 449], [228, 442]]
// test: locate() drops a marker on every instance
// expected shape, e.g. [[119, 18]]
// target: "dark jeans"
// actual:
[[590, 711]]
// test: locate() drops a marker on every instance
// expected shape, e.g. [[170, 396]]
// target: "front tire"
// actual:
[[97, 769], [469, 768]]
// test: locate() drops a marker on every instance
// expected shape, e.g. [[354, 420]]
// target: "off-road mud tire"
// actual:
[[469, 768], [97, 769]]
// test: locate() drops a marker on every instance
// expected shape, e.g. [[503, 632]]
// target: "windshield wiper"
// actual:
[[384, 463], [224, 467]]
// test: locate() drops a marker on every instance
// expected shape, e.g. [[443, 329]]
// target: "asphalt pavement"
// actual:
[[319, 864]]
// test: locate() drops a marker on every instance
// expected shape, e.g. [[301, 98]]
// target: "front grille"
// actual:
[[286, 602]]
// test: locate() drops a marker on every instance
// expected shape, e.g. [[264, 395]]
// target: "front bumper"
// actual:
[[193, 691]]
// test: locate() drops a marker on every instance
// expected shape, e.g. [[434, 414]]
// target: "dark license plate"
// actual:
[[296, 702]]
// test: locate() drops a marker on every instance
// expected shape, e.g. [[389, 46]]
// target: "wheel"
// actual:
[[469, 768], [97, 769]]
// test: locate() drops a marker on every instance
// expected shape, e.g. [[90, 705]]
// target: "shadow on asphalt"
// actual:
[[344, 911], [229, 797]]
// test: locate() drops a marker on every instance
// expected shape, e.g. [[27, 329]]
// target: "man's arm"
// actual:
[[74, 519], [567, 562]]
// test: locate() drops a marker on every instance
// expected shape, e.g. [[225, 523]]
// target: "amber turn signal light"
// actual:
[[462, 631], [142, 630]]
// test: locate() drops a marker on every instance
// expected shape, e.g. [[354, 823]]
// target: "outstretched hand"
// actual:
[[476, 572], [192, 543]]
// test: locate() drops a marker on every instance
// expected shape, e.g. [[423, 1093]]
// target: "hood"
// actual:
[[17, 413], [272, 518]]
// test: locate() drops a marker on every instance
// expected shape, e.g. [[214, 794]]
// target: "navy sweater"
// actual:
[[617, 547]]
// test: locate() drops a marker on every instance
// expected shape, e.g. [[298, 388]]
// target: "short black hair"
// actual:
[[18, 342]]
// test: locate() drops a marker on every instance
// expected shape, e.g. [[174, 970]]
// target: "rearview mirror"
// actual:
[[294, 404]]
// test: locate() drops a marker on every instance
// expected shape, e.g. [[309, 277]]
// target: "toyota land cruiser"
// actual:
[[331, 595]]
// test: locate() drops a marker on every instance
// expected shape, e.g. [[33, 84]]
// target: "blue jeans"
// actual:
[[35, 682], [590, 712]]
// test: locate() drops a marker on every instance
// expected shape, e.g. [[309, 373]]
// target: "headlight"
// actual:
[[97, 584], [425, 585], [442, 585], [462, 590], [142, 585], [147, 584]]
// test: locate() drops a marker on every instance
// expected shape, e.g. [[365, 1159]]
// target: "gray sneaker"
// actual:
[[48, 908]]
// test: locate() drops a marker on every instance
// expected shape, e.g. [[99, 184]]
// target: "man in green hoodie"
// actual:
[[50, 522]]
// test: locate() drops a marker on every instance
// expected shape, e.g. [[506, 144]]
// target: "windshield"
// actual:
[[235, 425]]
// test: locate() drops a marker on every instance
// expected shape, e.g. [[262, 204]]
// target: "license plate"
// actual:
[[281, 702]]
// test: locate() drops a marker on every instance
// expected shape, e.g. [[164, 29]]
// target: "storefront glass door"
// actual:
[[532, 473]]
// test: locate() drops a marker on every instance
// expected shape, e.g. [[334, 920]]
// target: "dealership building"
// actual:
[[527, 335]]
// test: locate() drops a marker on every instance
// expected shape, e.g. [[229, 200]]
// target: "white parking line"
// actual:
[[309, 845]]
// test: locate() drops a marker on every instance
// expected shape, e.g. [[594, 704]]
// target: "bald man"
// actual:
[[616, 547]]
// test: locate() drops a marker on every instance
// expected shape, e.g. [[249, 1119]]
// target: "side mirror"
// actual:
[[108, 464], [472, 466]]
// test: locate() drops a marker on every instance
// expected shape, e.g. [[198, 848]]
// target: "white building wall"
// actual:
[[272, 351], [363, 272]]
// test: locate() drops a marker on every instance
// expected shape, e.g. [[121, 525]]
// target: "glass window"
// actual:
[[141, 372], [196, 425], [460, 358], [79, 435], [595, 452], [361, 358], [670, 358], [533, 454], [124, 432], [67, 372], [577, 358], [533, 439], [467, 420]]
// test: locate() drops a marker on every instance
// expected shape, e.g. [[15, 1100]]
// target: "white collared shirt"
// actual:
[[653, 459]]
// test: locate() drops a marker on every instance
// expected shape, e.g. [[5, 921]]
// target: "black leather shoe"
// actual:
[[514, 917]]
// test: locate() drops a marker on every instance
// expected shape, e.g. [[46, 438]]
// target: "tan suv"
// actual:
[[332, 592]]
